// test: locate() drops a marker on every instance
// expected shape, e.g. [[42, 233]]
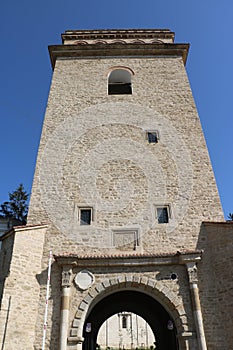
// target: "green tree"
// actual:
[[17, 206], [230, 216]]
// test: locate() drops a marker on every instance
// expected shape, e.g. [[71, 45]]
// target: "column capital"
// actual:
[[192, 272], [66, 276]]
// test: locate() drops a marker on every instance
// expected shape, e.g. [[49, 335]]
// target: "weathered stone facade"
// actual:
[[95, 158], [21, 254]]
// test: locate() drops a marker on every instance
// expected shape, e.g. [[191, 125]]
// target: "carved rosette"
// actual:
[[84, 279]]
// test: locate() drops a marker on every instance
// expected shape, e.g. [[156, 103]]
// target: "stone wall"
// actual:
[[94, 153], [20, 298], [5, 260], [216, 286]]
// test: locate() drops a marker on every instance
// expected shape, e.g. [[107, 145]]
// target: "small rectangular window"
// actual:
[[152, 136], [85, 216], [162, 215]]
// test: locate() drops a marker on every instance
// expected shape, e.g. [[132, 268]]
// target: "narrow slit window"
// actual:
[[163, 216], [85, 216]]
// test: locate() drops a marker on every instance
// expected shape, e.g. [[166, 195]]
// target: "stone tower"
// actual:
[[125, 198]]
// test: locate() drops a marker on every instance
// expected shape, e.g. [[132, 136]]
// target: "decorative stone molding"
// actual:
[[153, 287], [84, 279], [128, 49], [135, 35], [130, 42], [83, 42]]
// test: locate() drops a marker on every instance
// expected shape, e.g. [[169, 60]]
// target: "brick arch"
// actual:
[[152, 287]]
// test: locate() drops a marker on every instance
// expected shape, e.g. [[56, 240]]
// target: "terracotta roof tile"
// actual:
[[126, 255]]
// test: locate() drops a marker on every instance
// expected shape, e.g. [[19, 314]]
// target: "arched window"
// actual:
[[119, 82]]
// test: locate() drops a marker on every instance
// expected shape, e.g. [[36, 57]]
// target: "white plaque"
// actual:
[[84, 279]]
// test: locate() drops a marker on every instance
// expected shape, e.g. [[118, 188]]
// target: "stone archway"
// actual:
[[155, 289], [133, 301]]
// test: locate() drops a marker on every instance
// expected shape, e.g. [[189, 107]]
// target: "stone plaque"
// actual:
[[84, 279], [125, 239]]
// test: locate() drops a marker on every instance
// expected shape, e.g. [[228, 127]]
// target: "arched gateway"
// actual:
[[144, 305], [96, 287]]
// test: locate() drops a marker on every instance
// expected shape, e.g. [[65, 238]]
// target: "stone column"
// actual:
[[192, 273], [65, 306]]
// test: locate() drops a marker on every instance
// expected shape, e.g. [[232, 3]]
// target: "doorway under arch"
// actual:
[[137, 302], [131, 331]]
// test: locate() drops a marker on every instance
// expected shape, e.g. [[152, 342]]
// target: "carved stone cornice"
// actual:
[[193, 257], [118, 49], [118, 34]]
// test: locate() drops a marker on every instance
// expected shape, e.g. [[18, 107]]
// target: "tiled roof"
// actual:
[[126, 255], [20, 228], [228, 222]]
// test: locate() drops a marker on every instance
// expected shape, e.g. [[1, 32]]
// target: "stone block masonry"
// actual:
[[20, 297], [104, 156]]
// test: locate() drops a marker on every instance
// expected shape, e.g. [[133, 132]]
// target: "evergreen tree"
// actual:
[[16, 207]]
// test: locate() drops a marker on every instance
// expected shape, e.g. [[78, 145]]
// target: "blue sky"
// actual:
[[28, 27]]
